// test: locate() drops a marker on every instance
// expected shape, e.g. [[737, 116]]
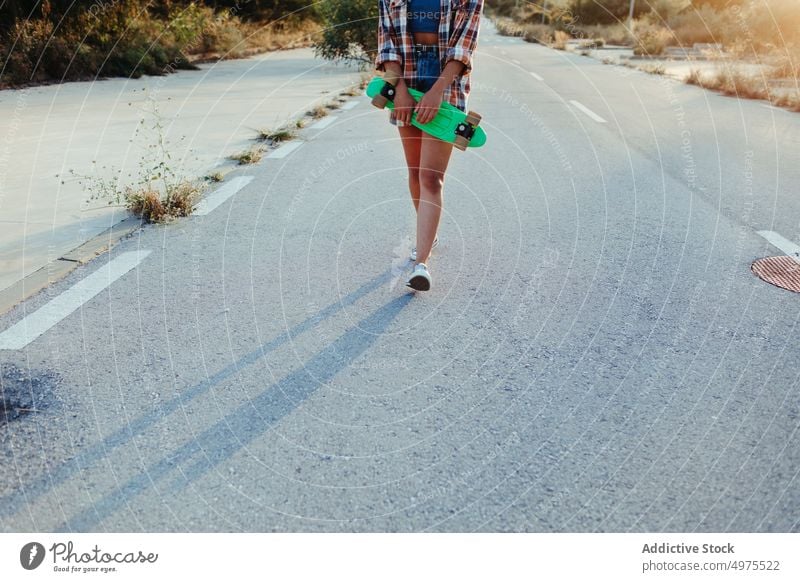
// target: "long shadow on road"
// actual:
[[231, 432], [251, 420]]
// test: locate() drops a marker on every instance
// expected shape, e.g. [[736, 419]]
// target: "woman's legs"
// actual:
[[412, 141], [434, 156]]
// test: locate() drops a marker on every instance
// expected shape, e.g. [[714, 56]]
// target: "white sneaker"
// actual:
[[420, 279], [433, 246]]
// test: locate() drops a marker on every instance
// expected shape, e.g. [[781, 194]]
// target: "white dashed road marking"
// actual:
[[588, 111], [785, 245], [324, 122], [285, 149], [32, 326], [515, 61], [221, 194], [535, 76]]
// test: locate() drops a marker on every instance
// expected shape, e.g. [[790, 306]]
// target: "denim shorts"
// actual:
[[427, 68]]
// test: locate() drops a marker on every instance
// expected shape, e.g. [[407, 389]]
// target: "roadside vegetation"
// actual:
[[251, 155], [273, 137], [61, 40], [349, 31], [158, 191], [733, 32]]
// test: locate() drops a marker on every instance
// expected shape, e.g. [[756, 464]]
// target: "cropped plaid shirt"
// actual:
[[458, 37]]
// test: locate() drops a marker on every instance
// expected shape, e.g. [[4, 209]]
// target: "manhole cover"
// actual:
[[783, 272]]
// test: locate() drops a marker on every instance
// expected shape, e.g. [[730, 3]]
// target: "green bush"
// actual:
[[25, 42], [112, 39], [350, 30]]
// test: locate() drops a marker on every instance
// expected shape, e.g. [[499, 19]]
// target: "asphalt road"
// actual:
[[595, 354]]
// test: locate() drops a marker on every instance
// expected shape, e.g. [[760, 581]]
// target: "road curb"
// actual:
[[56, 270]]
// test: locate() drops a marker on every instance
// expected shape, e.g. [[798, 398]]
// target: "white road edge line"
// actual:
[[221, 194], [515, 61], [588, 111], [32, 326], [285, 149], [785, 245], [535, 76], [349, 105], [324, 122]]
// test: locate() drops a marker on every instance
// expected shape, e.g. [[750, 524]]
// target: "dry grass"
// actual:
[[653, 69], [651, 40], [152, 207], [786, 64], [273, 36], [250, 156], [734, 83], [790, 102], [182, 199], [592, 36], [507, 27], [275, 136], [560, 39], [538, 33], [317, 112], [590, 43], [215, 177], [694, 78], [702, 24], [615, 34], [752, 28], [147, 205]]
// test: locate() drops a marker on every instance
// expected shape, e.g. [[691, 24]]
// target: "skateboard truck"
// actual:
[[388, 91], [465, 130]]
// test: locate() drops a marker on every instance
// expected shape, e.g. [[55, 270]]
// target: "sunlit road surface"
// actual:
[[595, 353]]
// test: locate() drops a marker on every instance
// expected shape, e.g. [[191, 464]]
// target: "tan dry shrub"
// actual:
[[146, 204], [651, 40], [703, 25], [560, 39]]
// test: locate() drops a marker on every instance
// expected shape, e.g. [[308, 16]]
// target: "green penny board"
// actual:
[[443, 125]]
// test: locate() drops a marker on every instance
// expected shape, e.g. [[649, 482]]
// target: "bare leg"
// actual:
[[434, 157], [412, 142]]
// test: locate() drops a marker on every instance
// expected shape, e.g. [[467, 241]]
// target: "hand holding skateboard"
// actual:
[[450, 124], [428, 106]]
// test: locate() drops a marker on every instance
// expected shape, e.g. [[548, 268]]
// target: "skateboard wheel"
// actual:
[[461, 142]]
